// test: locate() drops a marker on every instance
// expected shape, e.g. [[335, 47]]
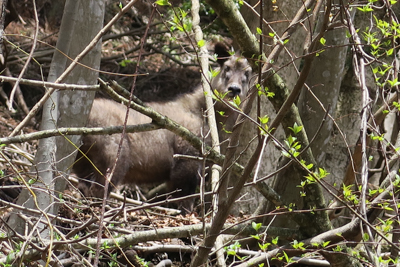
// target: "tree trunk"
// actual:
[[270, 158], [82, 20]]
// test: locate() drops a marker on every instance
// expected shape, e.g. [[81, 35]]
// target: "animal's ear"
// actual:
[[222, 53]]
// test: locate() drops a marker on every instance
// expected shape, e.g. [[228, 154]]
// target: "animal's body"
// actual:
[[148, 157]]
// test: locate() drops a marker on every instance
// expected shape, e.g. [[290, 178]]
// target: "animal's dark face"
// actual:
[[234, 77]]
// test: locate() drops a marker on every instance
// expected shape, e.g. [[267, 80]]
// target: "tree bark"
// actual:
[[81, 21]]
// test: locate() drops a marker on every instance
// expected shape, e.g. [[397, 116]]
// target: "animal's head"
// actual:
[[234, 76]]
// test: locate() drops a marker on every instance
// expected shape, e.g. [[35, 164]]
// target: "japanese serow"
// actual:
[[148, 157]]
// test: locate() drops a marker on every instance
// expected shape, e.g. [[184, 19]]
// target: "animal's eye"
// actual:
[[227, 68], [247, 74]]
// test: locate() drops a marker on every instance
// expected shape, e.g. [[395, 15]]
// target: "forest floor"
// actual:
[[129, 218]]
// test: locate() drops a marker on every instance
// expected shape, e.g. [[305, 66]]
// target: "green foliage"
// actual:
[[396, 105], [222, 113], [293, 147], [201, 43], [126, 62], [377, 137], [349, 195], [284, 257], [141, 261], [387, 261], [105, 245], [307, 166], [366, 8], [162, 3], [338, 248], [298, 245], [365, 236], [380, 38], [319, 52], [218, 96], [61, 197], [18, 246], [372, 192], [385, 226], [113, 262], [264, 123], [57, 236], [237, 101], [296, 128], [256, 226], [213, 73], [264, 91], [323, 244], [181, 21], [264, 246], [232, 249], [393, 82], [9, 261], [311, 178]]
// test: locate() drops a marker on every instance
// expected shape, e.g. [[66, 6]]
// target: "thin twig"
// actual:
[[59, 86]]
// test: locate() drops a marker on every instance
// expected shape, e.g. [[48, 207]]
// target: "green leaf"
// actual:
[[365, 8], [162, 3], [393, 83], [256, 226], [325, 244], [322, 40], [125, 62], [259, 31], [237, 101], [201, 43], [319, 53], [296, 128], [222, 113], [264, 119], [255, 237], [365, 236], [264, 247], [214, 73], [323, 173]]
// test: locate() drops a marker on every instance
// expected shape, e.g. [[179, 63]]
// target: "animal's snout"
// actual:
[[234, 90]]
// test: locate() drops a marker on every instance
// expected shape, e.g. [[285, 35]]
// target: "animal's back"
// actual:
[[146, 157]]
